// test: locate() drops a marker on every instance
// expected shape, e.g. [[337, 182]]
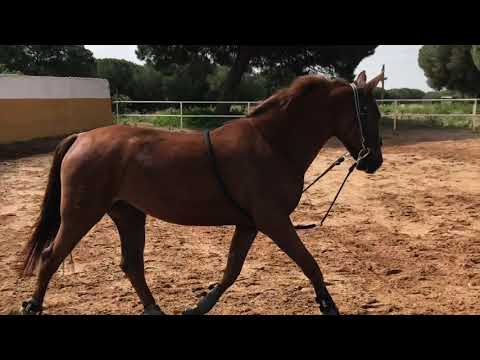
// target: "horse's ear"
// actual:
[[361, 79], [372, 84]]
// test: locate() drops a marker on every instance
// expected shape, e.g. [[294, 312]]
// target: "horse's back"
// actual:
[[165, 174], [122, 133]]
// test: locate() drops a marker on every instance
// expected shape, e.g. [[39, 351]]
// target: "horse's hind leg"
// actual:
[[71, 231], [241, 242], [130, 223]]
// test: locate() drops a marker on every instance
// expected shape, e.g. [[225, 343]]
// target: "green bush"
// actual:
[[430, 114], [188, 122], [403, 121], [411, 122], [6, 71], [440, 94], [402, 93], [428, 108]]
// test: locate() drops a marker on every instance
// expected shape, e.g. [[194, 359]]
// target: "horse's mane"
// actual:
[[301, 86]]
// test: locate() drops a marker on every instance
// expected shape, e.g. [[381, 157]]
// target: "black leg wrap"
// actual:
[[31, 307], [153, 309], [327, 306]]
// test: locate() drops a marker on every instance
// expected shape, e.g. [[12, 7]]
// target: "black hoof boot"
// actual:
[[193, 311], [153, 310], [206, 304], [327, 306], [31, 307]]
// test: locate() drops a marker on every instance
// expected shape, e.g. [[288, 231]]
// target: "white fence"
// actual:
[[396, 109], [397, 112], [180, 104]]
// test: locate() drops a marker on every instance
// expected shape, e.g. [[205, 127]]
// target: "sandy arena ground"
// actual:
[[403, 241]]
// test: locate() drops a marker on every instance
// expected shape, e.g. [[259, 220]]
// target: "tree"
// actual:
[[147, 84], [252, 87], [277, 78], [119, 73], [450, 67], [440, 94], [53, 60], [241, 59], [187, 81], [132, 81], [402, 93], [476, 55], [5, 70]]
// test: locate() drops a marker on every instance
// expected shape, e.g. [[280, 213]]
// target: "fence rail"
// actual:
[[396, 113], [427, 100]]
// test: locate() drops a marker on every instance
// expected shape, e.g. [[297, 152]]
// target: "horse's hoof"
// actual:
[[194, 311], [330, 311], [328, 307], [31, 307], [206, 303], [153, 310]]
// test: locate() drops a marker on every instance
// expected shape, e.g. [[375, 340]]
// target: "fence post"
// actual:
[[181, 115], [395, 116], [116, 105], [248, 108], [474, 117]]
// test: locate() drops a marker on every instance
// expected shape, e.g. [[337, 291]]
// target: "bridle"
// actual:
[[361, 113]]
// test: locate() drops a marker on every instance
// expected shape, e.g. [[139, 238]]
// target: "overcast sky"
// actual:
[[401, 63]]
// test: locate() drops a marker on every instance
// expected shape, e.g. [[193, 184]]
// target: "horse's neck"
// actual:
[[298, 140]]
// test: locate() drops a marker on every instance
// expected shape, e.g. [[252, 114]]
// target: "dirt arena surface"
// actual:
[[403, 241]]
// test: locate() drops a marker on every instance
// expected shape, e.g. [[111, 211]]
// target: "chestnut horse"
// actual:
[[128, 172]]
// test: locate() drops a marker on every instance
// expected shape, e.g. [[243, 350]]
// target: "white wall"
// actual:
[[47, 87]]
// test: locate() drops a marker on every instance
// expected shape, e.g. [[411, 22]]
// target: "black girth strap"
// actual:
[[213, 160]]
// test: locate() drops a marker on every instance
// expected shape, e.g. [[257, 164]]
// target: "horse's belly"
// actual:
[[183, 199], [183, 212]]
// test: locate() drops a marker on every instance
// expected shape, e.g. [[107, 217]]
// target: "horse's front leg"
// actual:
[[241, 242], [283, 233]]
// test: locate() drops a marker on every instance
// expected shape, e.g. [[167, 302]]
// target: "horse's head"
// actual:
[[358, 123]]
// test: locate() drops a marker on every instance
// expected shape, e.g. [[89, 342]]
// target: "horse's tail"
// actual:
[[48, 223]]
